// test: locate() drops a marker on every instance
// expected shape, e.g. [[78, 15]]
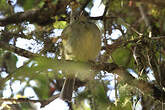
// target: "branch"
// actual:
[[49, 100], [158, 38], [84, 5], [20, 100], [17, 50], [113, 46], [119, 43], [145, 87], [25, 100], [158, 3], [82, 67], [145, 19], [106, 7], [112, 17], [9, 35], [40, 16], [27, 54], [129, 26]]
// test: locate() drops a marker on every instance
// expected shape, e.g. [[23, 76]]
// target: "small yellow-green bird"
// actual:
[[81, 42]]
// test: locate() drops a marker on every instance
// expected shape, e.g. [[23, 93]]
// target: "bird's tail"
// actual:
[[67, 89]]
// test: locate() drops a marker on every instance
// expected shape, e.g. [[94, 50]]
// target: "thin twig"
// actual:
[[116, 83], [158, 38], [17, 50], [145, 19], [84, 5], [144, 16], [12, 73], [106, 7], [20, 100], [111, 17], [132, 28], [23, 100]]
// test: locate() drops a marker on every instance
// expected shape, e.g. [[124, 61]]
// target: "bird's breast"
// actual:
[[83, 41]]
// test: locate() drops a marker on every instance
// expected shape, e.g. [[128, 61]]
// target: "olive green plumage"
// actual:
[[81, 42]]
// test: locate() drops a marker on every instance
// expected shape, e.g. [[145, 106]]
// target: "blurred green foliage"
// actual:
[[46, 71]]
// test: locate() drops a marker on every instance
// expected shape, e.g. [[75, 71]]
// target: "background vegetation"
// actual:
[[131, 66]]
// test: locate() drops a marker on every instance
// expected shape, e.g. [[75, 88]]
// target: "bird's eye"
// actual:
[[75, 18]]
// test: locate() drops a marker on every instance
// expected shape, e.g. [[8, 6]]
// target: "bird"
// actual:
[[81, 41]]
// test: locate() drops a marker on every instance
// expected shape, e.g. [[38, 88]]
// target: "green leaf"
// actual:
[[81, 105], [28, 4], [122, 56], [4, 6], [60, 24], [99, 94], [43, 87], [8, 60], [40, 65]]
